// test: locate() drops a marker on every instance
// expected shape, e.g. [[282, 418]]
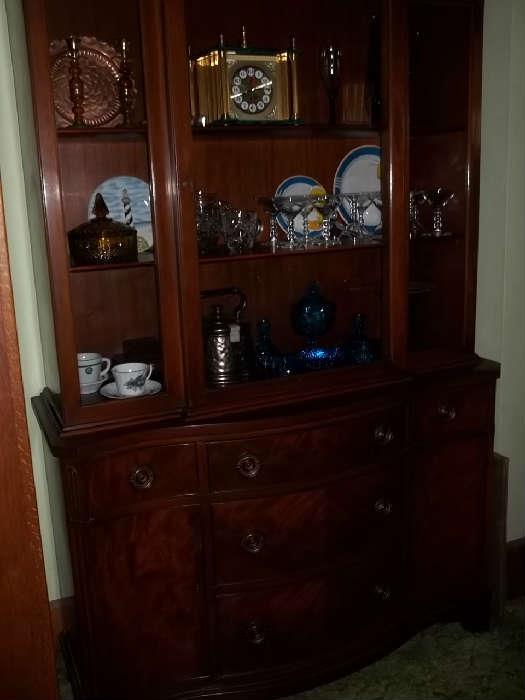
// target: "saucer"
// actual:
[[92, 388], [110, 390]]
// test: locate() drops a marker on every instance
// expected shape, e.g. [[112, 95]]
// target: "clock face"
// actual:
[[251, 89]]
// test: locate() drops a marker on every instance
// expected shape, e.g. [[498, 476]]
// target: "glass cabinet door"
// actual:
[[285, 128], [444, 151], [111, 238]]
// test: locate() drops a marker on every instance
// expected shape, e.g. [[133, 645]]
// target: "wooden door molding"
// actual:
[[27, 657]]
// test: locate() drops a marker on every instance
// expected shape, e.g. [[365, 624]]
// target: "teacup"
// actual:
[[90, 370], [131, 378]]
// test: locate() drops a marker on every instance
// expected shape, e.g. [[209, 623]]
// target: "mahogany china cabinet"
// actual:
[[260, 533]]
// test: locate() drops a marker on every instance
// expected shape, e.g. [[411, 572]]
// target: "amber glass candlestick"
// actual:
[[76, 84]]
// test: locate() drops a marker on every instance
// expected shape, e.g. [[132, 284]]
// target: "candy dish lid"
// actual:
[[101, 224]]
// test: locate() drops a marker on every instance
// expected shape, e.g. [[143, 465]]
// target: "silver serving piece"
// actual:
[[220, 354]]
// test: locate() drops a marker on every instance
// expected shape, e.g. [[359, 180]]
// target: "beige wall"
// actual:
[[23, 211], [500, 322], [501, 281]]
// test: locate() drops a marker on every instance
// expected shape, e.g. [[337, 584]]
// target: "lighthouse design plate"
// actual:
[[128, 200]]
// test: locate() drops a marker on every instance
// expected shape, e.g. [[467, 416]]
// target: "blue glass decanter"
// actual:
[[267, 357], [312, 317], [359, 350]]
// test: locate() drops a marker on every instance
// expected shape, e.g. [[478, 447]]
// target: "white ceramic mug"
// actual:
[[90, 368], [131, 378]]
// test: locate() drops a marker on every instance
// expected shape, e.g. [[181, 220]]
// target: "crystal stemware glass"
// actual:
[[417, 197], [272, 210], [364, 200], [326, 205], [308, 206], [374, 215], [290, 207], [351, 230], [438, 198]]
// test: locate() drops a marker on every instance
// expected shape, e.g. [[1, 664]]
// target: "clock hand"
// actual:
[[261, 86]]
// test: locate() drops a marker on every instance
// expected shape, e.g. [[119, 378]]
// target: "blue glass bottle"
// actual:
[[267, 356], [359, 347]]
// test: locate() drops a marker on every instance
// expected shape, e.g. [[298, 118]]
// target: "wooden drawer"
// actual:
[[445, 410], [260, 538], [299, 455], [127, 479], [281, 625]]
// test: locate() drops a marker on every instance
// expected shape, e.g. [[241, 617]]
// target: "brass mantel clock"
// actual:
[[240, 84]]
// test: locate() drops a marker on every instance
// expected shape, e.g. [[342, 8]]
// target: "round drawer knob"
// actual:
[[446, 412], [256, 633], [382, 592], [383, 507], [249, 465], [141, 478], [383, 435], [253, 542]]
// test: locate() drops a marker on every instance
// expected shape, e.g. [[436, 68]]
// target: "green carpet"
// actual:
[[443, 661]]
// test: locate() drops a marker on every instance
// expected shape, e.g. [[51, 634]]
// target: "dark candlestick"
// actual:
[[125, 83], [331, 74]]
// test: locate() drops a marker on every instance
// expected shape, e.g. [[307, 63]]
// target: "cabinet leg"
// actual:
[[477, 615]]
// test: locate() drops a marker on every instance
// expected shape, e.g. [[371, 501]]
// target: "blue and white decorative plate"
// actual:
[[360, 172], [128, 201], [297, 185]]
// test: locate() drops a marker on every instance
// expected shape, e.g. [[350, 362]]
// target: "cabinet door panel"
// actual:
[[449, 513], [144, 576]]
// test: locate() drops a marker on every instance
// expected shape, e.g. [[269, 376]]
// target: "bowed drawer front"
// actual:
[[261, 538], [312, 453], [278, 625]]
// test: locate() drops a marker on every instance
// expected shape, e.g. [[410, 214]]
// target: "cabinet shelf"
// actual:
[[273, 131], [125, 133], [428, 132], [265, 252], [145, 260], [434, 240]]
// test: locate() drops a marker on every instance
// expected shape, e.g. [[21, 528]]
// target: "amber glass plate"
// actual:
[[99, 71]]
